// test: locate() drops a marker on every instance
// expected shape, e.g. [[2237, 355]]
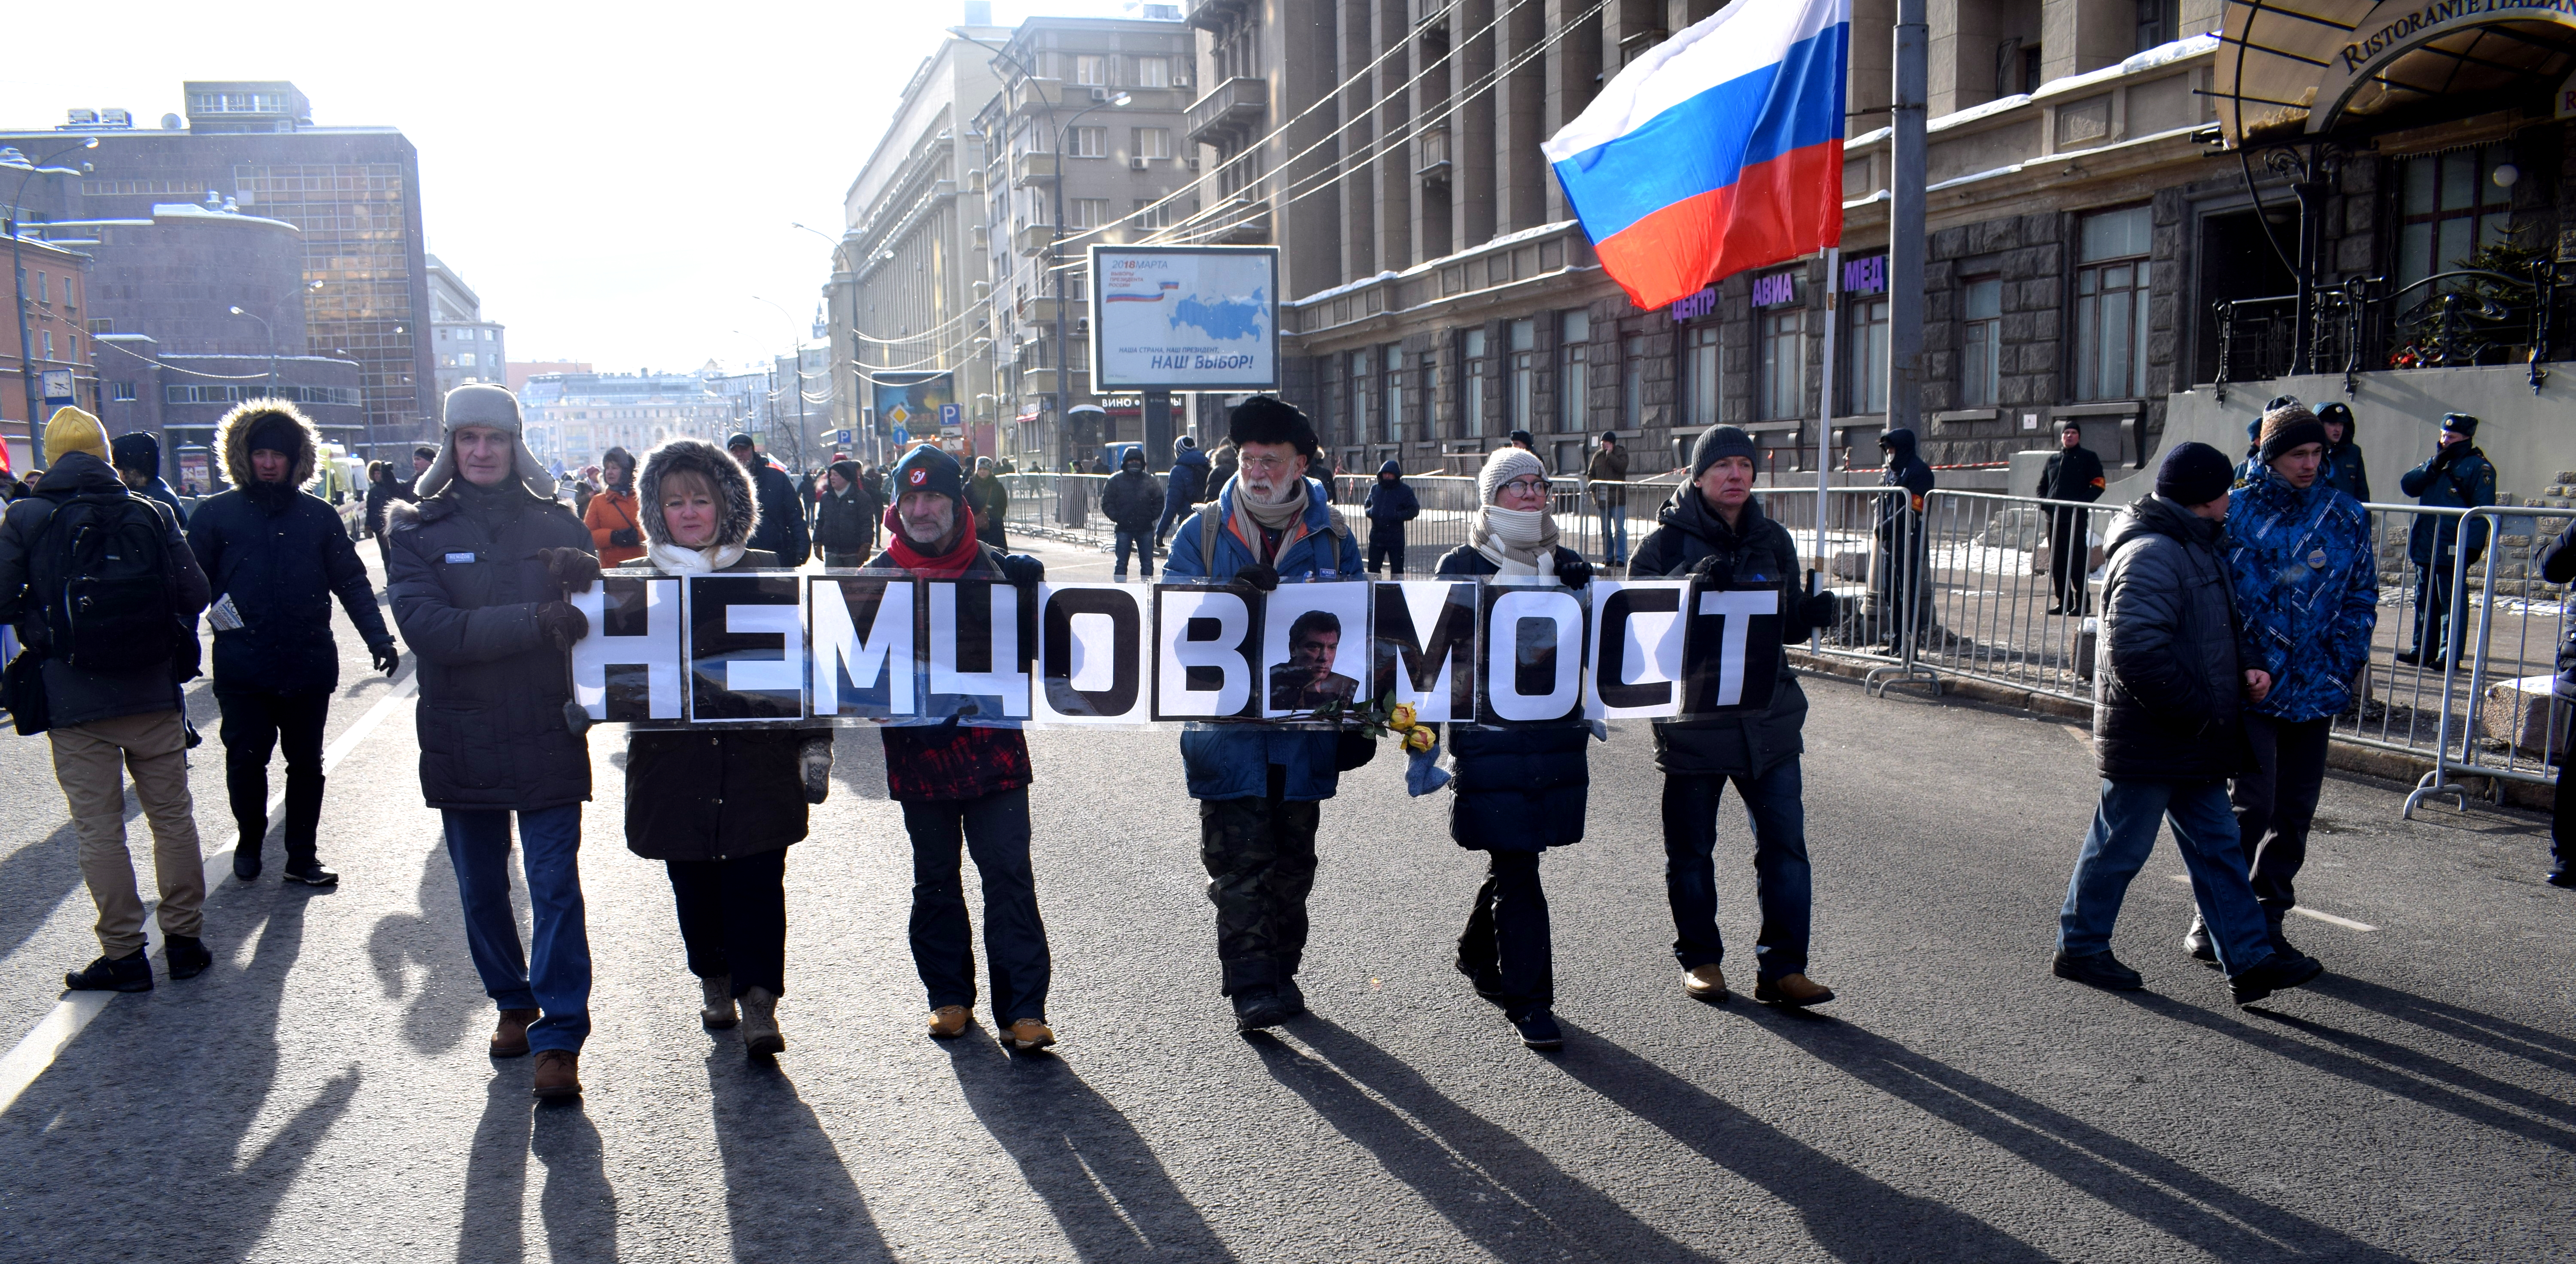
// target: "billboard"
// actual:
[[912, 401], [1185, 318]]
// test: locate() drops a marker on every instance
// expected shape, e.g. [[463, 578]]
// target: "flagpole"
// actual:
[[1825, 396]]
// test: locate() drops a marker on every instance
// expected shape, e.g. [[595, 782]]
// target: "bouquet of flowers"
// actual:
[[1421, 742]]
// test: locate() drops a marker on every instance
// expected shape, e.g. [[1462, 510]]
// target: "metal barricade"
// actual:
[[2499, 715]]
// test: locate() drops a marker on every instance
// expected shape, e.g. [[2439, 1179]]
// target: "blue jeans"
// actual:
[[2124, 831], [478, 843], [1782, 883], [1143, 543], [1614, 528]]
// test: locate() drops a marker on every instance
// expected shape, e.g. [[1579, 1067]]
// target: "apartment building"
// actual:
[[575, 417], [464, 346]]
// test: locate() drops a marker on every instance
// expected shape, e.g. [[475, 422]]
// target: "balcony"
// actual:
[[1230, 114], [1033, 239], [1042, 382], [1041, 311], [1239, 221], [1031, 169], [1213, 15]]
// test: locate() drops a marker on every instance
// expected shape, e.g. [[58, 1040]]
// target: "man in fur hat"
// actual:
[[1259, 789], [487, 616], [276, 555]]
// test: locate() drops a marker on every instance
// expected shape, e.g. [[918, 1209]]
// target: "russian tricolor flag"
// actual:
[[1719, 150]]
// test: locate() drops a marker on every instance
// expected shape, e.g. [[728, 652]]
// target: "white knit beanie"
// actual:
[[1502, 466]]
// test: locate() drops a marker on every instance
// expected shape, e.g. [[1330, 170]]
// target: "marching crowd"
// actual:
[[2236, 613]]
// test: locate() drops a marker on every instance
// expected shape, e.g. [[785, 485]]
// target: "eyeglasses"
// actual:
[[1527, 486], [1264, 464]]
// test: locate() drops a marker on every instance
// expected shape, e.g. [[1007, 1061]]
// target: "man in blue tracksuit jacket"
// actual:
[[1259, 789], [2306, 587]]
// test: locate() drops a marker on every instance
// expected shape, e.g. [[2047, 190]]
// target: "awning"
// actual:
[[2291, 67]]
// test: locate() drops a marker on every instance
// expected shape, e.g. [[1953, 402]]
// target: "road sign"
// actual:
[[841, 436], [950, 415], [899, 415], [900, 435]]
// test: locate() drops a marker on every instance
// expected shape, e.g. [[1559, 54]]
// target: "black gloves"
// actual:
[[1714, 569], [1820, 610], [574, 569], [560, 624], [1019, 568], [626, 538], [387, 658], [1258, 576], [814, 755], [1574, 574]]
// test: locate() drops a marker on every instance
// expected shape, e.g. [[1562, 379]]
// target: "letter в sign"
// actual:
[[1203, 648]]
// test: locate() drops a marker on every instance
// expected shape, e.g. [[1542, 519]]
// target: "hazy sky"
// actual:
[[615, 181]]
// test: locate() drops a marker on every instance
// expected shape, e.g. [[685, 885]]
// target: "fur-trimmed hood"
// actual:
[[232, 438], [732, 482]]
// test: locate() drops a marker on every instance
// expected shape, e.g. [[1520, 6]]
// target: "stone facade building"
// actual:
[[57, 282], [466, 347]]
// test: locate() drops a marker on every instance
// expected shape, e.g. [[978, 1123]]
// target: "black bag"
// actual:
[[22, 691], [103, 572]]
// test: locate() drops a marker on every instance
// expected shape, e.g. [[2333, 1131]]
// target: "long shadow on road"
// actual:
[[2158, 1191], [1105, 1186], [1851, 1215], [1499, 1191], [788, 1195], [40, 875], [2548, 1049], [448, 992], [97, 1147]]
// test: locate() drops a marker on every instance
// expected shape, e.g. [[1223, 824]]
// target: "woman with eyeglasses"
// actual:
[[1515, 792]]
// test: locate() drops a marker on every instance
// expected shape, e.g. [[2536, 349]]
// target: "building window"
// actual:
[[1091, 71], [120, 391], [1090, 142], [1359, 396], [1632, 382], [1573, 370], [1089, 212], [69, 300], [1524, 379], [1153, 72], [1152, 213], [1393, 411], [2158, 22], [1864, 354], [44, 287], [49, 344], [1981, 342], [2111, 278], [1427, 385], [1153, 142], [1472, 349], [1780, 386], [1699, 373], [2449, 206]]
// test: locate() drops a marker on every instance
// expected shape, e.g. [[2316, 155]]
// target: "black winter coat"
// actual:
[[715, 796], [72, 695], [1389, 506], [282, 554], [841, 521], [2072, 474], [1515, 789], [1133, 500], [2168, 698], [1756, 550], [466, 586], [782, 516]]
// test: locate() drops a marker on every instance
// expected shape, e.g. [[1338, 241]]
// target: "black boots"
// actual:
[[2276, 973], [129, 973], [2097, 969], [188, 956]]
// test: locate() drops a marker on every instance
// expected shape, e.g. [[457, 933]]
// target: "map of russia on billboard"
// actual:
[[1187, 318]]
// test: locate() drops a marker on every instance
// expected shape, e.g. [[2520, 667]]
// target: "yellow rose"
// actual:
[[1401, 718], [1421, 739]]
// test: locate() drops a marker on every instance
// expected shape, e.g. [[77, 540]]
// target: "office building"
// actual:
[[464, 346], [573, 418], [353, 193]]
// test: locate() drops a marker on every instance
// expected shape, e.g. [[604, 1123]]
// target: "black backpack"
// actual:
[[103, 571]]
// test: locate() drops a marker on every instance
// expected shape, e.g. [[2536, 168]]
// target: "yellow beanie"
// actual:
[[71, 431]]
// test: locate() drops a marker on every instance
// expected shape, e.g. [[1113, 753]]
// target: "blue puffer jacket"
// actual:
[[1516, 789], [2307, 592], [1232, 762], [1187, 482]]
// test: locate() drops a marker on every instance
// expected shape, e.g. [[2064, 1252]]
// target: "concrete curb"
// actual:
[[2402, 771]]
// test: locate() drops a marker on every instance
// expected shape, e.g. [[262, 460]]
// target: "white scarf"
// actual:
[[1520, 541], [677, 560]]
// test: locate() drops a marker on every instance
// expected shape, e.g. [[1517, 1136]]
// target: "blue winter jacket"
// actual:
[[2307, 592], [1233, 761], [1389, 506], [1187, 482]]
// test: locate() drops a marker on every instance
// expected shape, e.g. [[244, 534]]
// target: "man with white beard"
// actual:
[[1259, 788]]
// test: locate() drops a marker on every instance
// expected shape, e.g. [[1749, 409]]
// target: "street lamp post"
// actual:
[[11, 159], [841, 261], [270, 336]]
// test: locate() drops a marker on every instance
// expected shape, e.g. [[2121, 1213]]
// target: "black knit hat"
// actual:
[[1270, 419], [2194, 474], [2289, 427], [1718, 443], [927, 469]]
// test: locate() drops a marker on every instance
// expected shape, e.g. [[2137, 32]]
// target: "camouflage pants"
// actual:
[[1260, 858]]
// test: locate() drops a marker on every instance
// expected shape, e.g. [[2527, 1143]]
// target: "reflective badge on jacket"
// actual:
[[457, 558]]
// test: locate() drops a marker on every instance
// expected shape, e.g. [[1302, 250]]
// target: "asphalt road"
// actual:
[[322, 1093]]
